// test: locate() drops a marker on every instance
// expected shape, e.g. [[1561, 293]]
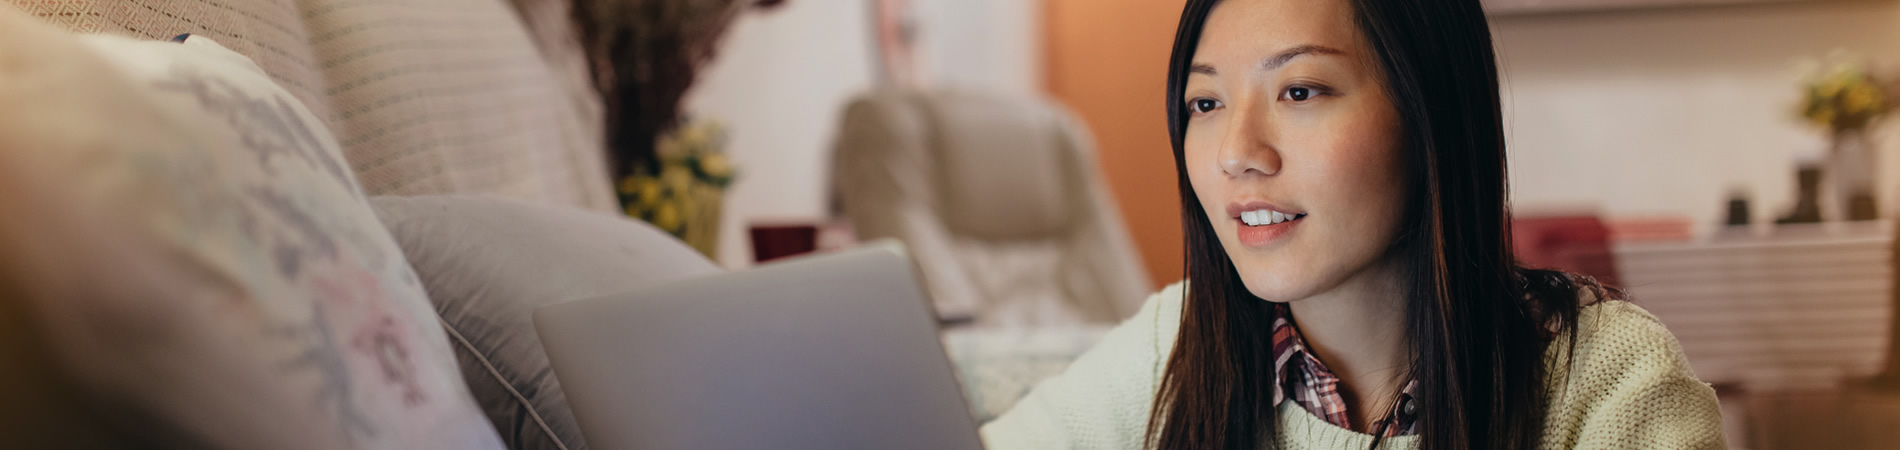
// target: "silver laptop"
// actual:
[[829, 352]]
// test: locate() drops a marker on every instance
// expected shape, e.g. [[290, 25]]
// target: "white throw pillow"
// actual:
[[196, 258]]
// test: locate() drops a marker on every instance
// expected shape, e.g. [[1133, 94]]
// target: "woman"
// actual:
[[1350, 278]]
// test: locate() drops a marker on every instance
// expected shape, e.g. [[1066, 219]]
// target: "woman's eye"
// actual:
[[1203, 105], [1298, 93]]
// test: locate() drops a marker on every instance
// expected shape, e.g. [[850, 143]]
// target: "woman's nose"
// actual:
[[1248, 146]]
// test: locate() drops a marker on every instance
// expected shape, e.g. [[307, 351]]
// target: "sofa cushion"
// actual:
[[425, 96], [488, 262], [1004, 171], [196, 263]]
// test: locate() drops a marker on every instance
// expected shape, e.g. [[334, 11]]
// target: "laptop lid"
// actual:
[[837, 351]]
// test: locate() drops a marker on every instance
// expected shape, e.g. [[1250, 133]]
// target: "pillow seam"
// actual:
[[503, 381]]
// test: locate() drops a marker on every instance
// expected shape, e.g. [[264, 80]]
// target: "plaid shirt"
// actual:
[[1303, 377]]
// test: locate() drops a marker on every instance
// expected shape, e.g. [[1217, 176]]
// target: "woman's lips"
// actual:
[[1262, 235], [1235, 209], [1260, 223]]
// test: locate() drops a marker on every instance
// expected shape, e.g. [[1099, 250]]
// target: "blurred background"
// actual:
[[1725, 161], [1729, 163]]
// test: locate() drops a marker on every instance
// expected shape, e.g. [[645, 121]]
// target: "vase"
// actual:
[[702, 209], [1852, 176], [1807, 200]]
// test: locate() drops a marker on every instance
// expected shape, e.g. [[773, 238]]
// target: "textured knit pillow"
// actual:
[[425, 96], [488, 262], [197, 262]]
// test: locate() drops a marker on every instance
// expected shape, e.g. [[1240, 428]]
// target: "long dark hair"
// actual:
[[1477, 322]]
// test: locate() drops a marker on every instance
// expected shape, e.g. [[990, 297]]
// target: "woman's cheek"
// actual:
[[1203, 174], [1376, 184]]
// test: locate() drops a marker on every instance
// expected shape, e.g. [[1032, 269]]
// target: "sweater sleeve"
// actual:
[[1101, 400], [1630, 387]]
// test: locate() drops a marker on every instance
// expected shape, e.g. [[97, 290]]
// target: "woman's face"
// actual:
[[1290, 122]]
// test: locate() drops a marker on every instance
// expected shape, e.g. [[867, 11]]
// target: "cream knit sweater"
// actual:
[[1630, 388]]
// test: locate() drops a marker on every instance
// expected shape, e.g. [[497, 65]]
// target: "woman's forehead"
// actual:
[[1251, 31]]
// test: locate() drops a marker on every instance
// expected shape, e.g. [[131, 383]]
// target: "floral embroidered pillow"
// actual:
[[198, 261]]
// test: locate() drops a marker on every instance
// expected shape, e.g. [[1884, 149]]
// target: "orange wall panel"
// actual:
[[1107, 60]]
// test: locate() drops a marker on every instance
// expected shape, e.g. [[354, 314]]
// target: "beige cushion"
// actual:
[[1002, 169], [488, 262], [999, 200], [425, 96], [197, 265]]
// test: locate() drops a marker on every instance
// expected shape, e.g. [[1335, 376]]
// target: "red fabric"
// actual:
[[1577, 244]]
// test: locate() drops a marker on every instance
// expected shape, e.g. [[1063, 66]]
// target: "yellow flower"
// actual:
[[1823, 117], [1862, 98], [715, 165], [650, 191], [667, 217]]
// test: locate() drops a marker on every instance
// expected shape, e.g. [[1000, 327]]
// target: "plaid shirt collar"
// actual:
[[1308, 382]]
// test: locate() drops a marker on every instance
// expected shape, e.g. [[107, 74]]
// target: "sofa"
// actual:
[[998, 198], [298, 224], [318, 224]]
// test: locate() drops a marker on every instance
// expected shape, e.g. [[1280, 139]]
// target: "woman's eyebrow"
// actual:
[[1285, 56], [1275, 61]]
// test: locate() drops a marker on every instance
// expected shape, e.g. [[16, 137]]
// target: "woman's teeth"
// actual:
[[1267, 217]]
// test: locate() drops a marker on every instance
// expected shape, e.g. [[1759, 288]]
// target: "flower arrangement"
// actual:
[[683, 192], [1843, 98]]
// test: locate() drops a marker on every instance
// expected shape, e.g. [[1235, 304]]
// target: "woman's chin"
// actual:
[[1276, 285], [1280, 274]]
